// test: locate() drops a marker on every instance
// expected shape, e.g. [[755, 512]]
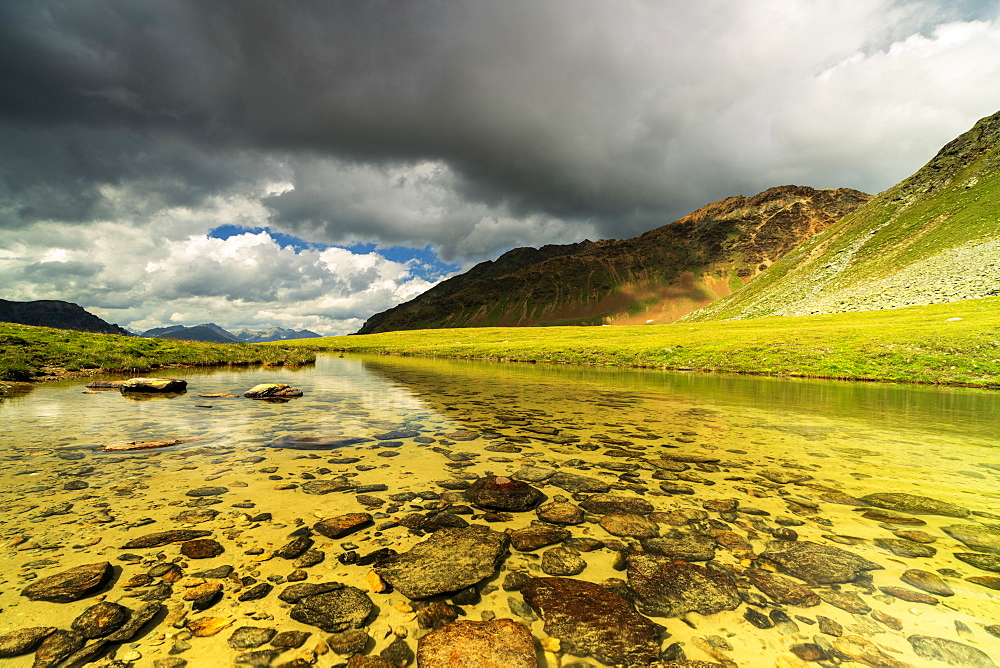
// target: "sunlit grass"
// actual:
[[955, 343], [27, 352]]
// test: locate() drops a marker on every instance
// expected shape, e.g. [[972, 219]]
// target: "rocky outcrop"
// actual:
[[658, 276]]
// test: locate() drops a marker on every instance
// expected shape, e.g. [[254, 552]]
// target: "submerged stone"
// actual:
[[450, 560], [502, 493], [781, 589], [929, 582], [914, 503], [986, 562], [100, 620], [342, 525], [501, 643], [591, 620], [978, 537], [70, 585], [905, 548], [951, 652], [334, 611], [669, 588], [818, 564], [683, 546], [572, 482], [22, 641]]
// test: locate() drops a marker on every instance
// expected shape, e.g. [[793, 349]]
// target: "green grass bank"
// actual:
[[33, 353], [951, 344]]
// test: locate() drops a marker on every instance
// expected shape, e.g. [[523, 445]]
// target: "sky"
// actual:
[[309, 164]]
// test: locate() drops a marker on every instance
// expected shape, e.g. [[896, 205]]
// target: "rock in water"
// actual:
[[951, 652], [451, 559], [161, 538], [682, 546], [929, 582], [127, 446], [135, 622], [669, 588], [100, 620], [781, 589], [272, 391], [533, 537], [342, 525], [70, 585], [502, 643], [818, 564], [334, 611], [572, 482], [629, 524], [57, 647], [502, 493], [24, 640], [986, 562], [913, 503], [601, 504], [976, 537], [153, 385], [591, 620]]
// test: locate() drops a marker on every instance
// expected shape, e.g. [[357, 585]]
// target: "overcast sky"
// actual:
[[307, 164]]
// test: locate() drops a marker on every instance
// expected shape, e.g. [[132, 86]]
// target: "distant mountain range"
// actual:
[[212, 333], [934, 237], [58, 314], [656, 277], [65, 315]]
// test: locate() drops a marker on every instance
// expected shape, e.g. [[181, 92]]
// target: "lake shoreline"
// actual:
[[733, 372]]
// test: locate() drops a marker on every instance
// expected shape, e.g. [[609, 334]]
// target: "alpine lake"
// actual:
[[623, 517]]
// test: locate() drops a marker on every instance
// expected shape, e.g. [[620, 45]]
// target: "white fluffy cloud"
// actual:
[[127, 276]]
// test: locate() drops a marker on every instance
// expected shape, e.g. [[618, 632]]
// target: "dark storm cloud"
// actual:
[[604, 112]]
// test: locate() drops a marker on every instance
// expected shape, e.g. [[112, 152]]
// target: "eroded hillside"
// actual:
[[656, 277]]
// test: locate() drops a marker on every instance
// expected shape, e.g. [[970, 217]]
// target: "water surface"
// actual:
[[478, 419]]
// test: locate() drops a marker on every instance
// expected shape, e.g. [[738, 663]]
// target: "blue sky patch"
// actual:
[[424, 262]]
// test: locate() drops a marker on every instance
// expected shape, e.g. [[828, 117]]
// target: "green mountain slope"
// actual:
[[934, 237], [656, 277]]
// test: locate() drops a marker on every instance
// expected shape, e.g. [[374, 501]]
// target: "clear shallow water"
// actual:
[[852, 437]]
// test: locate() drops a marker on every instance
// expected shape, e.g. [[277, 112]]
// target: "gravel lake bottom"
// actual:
[[426, 512]]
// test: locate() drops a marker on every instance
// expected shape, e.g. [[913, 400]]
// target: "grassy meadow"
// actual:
[[30, 352], [956, 343]]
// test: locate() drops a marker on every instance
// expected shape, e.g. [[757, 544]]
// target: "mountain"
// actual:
[[272, 334], [58, 314], [656, 277], [213, 333], [934, 237], [208, 332]]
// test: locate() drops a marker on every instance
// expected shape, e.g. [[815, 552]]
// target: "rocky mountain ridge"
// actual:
[[934, 237], [213, 333], [57, 314], [656, 277]]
